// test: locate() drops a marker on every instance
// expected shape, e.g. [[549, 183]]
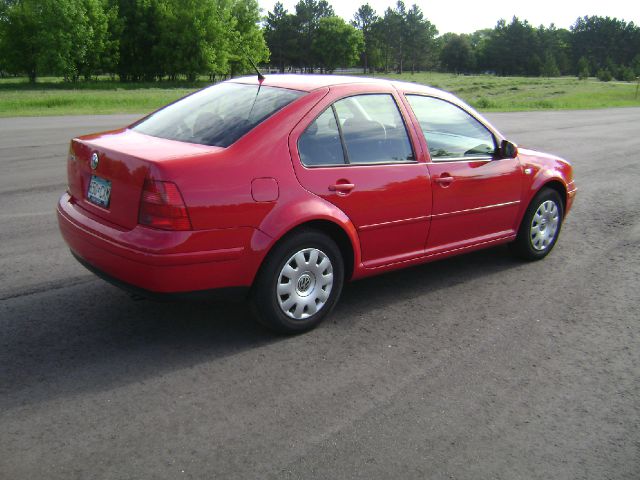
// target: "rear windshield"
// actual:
[[218, 115]]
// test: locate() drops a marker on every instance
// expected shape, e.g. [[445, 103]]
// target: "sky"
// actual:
[[468, 16]]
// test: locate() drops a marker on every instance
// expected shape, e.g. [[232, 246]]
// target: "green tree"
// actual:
[[401, 34], [419, 38], [405, 38], [183, 38], [513, 49], [21, 48], [3, 17], [111, 53], [456, 54], [626, 74], [170, 38], [94, 48], [604, 75], [583, 68], [364, 20], [635, 65], [281, 36], [479, 41], [247, 39], [549, 66], [388, 32], [555, 49], [53, 36], [138, 25], [605, 39], [336, 43], [68, 32], [307, 20]]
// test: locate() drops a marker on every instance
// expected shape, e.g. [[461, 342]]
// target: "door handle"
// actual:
[[342, 187], [444, 180]]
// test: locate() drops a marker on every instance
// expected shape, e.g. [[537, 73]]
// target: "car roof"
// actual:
[[309, 82]]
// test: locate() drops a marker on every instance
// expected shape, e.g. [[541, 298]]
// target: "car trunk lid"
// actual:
[[110, 186]]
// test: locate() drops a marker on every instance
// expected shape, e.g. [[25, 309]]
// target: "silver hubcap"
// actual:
[[544, 225], [305, 283]]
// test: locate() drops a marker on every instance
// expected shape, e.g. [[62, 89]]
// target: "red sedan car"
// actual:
[[288, 186]]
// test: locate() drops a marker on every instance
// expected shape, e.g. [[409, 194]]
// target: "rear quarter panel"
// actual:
[[217, 188]]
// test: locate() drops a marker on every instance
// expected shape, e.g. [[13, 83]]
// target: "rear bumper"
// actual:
[[225, 293], [157, 261]]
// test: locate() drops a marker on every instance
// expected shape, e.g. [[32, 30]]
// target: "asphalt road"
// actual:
[[478, 367]]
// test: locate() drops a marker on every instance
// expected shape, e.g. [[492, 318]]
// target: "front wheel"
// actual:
[[299, 283], [540, 226]]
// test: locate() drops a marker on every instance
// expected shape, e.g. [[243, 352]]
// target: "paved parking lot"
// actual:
[[476, 367]]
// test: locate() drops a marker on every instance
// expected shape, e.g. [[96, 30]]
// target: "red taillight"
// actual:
[[162, 206]]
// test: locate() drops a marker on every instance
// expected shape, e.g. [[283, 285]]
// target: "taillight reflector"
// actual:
[[162, 206]]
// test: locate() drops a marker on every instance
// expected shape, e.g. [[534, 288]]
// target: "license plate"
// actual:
[[99, 191]]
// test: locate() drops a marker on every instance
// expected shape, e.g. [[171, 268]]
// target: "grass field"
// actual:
[[491, 93], [51, 96]]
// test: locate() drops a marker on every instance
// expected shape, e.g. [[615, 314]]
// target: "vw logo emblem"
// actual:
[[94, 161], [304, 282]]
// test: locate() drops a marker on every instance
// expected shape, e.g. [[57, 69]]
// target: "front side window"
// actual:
[[218, 115], [450, 132]]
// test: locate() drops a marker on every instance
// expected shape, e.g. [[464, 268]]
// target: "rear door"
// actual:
[[355, 151]]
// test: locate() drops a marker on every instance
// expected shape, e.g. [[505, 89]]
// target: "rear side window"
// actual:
[[450, 132], [218, 115], [373, 129], [320, 143], [362, 129]]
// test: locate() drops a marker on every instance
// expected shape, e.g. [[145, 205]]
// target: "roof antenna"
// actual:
[[260, 80], [260, 76]]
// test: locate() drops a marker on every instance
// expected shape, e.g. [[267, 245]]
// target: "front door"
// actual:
[[476, 194], [473, 201]]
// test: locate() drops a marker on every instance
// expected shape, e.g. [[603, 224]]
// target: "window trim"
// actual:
[[345, 151], [432, 159], [485, 158], [326, 165]]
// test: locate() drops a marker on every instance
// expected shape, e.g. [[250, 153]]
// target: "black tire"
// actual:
[[309, 283], [535, 238]]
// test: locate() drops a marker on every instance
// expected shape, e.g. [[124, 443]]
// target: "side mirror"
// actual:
[[508, 149]]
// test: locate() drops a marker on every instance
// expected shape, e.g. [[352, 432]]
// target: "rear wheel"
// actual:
[[299, 282], [540, 226]]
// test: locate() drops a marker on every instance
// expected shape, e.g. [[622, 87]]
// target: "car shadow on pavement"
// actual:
[[92, 337], [425, 287]]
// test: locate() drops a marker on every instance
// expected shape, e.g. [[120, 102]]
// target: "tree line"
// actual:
[[146, 40], [139, 40], [402, 39], [593, 46]]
